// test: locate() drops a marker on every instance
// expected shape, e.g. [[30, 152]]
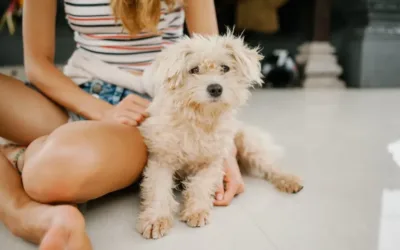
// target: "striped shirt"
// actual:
[[97, 31]]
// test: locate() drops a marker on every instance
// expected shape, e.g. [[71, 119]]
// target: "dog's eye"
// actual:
[[195, 70], [225, 68]]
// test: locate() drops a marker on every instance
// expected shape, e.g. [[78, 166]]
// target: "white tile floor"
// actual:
[[335, 140]]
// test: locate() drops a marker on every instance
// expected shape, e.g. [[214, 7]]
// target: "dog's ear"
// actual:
[[247, 59], [167, 69]]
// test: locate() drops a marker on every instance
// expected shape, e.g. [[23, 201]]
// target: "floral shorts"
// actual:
[[103, 90]]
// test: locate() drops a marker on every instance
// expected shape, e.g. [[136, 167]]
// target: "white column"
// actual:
[[321, 67]]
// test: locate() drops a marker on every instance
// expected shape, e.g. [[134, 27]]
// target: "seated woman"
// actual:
[[80, 126]]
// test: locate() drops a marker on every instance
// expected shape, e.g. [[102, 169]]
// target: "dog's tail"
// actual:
[[260, 156], [257, 153]]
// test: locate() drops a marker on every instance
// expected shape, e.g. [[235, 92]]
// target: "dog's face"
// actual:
[[208, 72]]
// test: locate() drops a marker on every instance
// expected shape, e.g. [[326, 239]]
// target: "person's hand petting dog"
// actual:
[[231, 185], [130, 111]]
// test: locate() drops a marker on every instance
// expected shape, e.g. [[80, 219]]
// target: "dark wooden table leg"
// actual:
[[322, 20]]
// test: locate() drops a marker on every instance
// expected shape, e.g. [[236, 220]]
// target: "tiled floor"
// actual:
[[337, 141]]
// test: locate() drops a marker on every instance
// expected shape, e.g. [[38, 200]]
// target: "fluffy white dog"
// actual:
[[201, 82]]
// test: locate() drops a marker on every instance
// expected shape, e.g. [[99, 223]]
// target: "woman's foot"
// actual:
[[67, 231], [54, 227]]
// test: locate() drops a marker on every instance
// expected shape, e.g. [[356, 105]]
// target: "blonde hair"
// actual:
[[139, 15]]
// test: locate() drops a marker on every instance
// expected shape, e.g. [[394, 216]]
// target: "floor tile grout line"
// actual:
[[262, 231]]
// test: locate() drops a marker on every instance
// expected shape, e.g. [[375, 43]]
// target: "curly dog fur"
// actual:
[[192, 127]]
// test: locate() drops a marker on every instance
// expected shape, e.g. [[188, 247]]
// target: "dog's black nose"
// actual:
[[215, 90]]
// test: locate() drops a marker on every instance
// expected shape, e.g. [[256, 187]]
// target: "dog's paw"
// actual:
[[154, 229], [197, 219], [288, 183]]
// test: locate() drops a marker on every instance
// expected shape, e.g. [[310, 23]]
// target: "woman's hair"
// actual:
[[139, 15]]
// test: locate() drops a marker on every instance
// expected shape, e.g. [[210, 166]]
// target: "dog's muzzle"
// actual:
[[215, 90]]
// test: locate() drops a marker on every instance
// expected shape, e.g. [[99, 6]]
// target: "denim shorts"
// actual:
[[103, 90]]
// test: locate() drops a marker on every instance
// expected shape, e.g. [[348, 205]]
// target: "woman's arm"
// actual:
[[201, 17], [39, 19]]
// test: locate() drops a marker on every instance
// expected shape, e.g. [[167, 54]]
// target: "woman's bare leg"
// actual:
[[77, 162], [59, 226], [83, 160], [26, 115]]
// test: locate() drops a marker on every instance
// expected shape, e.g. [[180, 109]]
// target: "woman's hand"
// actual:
[[232, 183], [130, 111]]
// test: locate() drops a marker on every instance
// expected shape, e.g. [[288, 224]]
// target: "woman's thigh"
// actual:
[[25, 113], [83, 160]]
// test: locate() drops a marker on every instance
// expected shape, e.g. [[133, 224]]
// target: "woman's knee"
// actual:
[[78, 164], [44, 183], [49, 172]]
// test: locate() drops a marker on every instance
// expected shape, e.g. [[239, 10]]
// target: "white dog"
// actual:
[[201, 82]]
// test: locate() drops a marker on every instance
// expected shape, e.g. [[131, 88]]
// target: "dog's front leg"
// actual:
[[198, 195], [158, 203]]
